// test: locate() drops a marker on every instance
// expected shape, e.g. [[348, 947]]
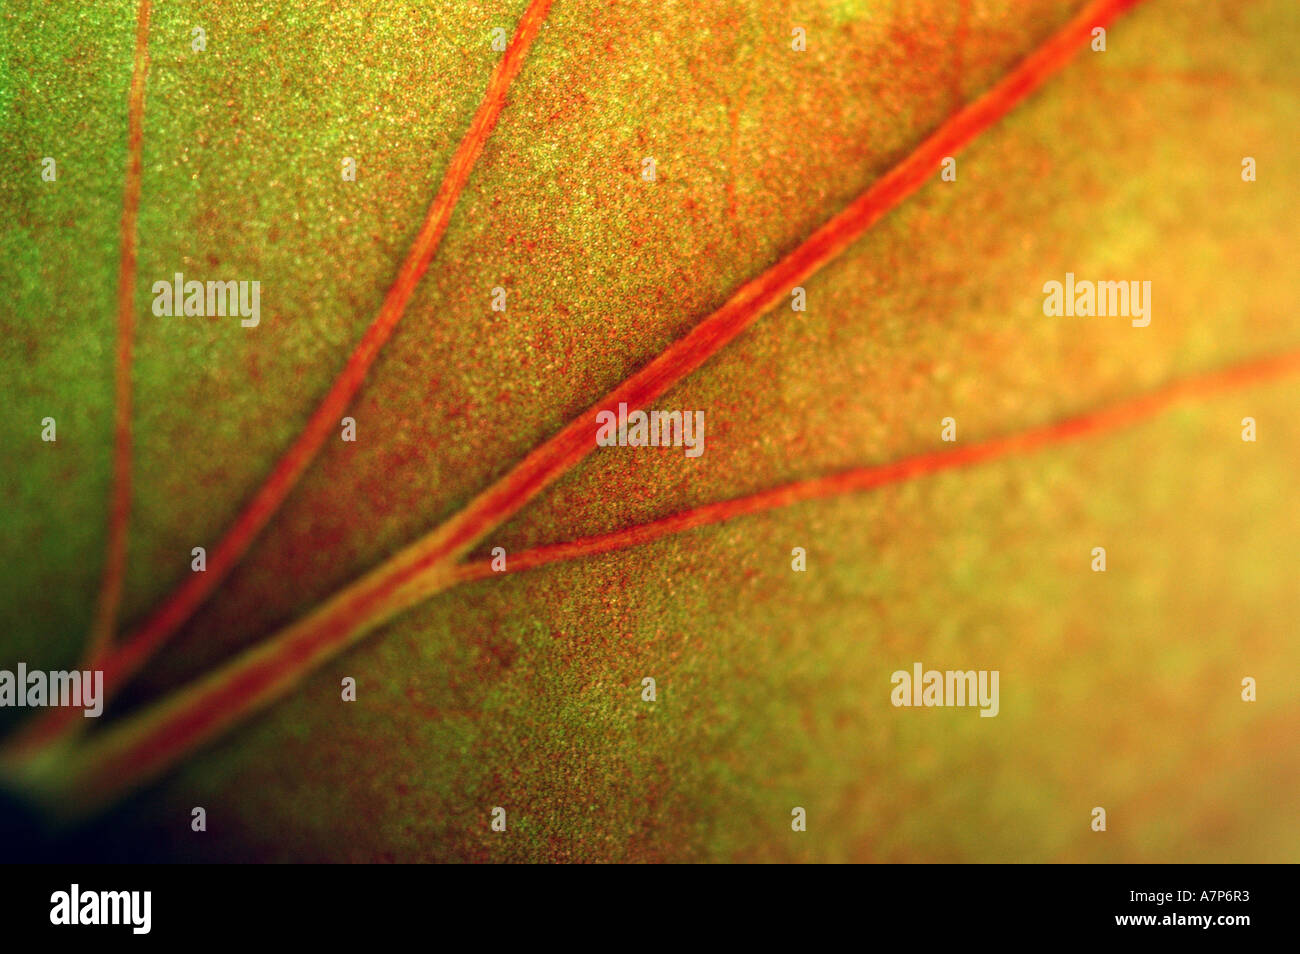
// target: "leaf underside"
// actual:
[[1119, 689]]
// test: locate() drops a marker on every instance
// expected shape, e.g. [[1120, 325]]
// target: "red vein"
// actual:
[[1114, 417], [549, 461], [149, 742], [555, 457], [119, 518], [122, 662]]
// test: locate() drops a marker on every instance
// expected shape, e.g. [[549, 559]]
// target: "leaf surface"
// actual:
[[523, 691]]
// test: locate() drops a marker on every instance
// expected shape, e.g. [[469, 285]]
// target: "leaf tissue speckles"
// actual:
[[933, 314]]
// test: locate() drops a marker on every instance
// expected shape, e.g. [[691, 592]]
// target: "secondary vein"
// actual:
[[119, 508]]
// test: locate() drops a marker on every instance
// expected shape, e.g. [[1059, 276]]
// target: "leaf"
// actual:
[[524, 691]]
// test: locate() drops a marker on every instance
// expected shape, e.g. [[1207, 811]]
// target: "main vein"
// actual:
[[148, 742]]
